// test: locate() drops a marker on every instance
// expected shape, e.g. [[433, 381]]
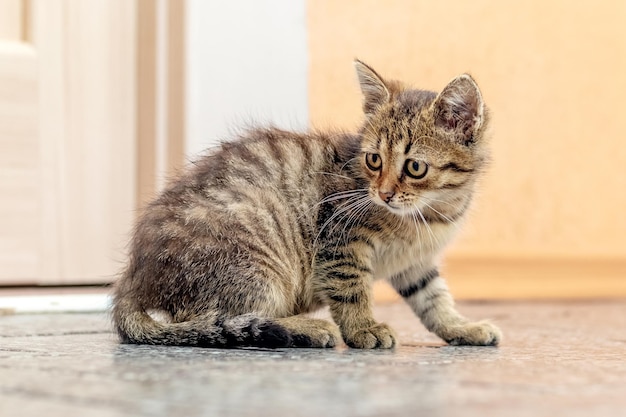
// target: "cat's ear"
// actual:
[[374, 89], [459, 108]]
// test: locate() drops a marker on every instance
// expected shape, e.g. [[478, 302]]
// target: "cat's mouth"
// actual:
[[394, 206], [397, 208], [400, 209], [390, 205]]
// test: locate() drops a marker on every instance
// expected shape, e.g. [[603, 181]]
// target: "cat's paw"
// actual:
[[379, 335], [315, 333], [480, 333]]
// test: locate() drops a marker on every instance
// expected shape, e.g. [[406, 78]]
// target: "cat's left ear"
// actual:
[[374, 89], [460, 109]]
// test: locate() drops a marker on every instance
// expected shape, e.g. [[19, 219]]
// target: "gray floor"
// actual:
[[558, 359]]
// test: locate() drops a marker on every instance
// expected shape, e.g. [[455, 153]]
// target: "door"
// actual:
[[20, 185], [67, 139]]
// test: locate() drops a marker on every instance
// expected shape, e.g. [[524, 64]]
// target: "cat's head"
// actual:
[[421, 149]]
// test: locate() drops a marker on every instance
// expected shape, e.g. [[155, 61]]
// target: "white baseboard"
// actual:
[[61, 303]]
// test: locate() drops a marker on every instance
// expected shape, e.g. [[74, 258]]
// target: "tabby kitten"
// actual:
[[277, 224]]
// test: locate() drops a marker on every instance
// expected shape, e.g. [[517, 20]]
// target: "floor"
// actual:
[[565, 359]]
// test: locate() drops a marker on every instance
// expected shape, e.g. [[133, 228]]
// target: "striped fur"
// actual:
[[275, 224]]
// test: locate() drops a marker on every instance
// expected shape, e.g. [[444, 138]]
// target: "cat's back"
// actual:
[[265, 159], [265, 176]]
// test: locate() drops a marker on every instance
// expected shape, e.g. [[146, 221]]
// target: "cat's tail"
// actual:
[[134, 325]]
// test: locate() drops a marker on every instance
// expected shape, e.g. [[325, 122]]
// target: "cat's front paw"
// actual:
[[379, 335], [480, 333]]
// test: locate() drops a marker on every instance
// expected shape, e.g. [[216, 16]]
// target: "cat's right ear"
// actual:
[[374, 89], [460, 109]]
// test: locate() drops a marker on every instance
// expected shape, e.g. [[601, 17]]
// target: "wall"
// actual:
[[554, 75], [548, 219], [246, 62]]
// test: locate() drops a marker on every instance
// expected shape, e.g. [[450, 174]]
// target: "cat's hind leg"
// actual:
[[309, 332], [427, 294]]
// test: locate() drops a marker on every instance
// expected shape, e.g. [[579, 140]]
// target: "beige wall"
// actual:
[[554, 75]]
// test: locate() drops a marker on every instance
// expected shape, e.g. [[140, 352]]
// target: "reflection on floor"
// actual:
[[557, 359]]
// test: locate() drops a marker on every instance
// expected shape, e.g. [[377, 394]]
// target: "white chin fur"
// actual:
[[400, 210]]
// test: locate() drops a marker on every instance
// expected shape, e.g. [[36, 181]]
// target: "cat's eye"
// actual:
[[373, 161], [415, 169]]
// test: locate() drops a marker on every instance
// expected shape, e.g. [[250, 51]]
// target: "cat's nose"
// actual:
[[386, 196]]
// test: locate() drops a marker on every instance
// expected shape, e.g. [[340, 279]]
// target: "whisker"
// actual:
[[347, 162], [345, 206], [442, 215], [417, 229], [373, 131], [338, 196], [430, 231], [332, 173], [337, 214], [356, 214], [439, 201]]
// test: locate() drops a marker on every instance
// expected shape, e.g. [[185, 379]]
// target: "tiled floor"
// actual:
[[557, 359]]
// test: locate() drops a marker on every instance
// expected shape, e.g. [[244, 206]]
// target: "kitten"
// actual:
[[277, 224]]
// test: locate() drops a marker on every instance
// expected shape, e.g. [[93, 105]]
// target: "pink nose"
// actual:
[[386, 196]]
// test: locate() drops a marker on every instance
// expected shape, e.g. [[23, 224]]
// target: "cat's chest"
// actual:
[[393, 256]]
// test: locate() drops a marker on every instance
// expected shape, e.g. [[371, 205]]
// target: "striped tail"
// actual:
[[136, 326]]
